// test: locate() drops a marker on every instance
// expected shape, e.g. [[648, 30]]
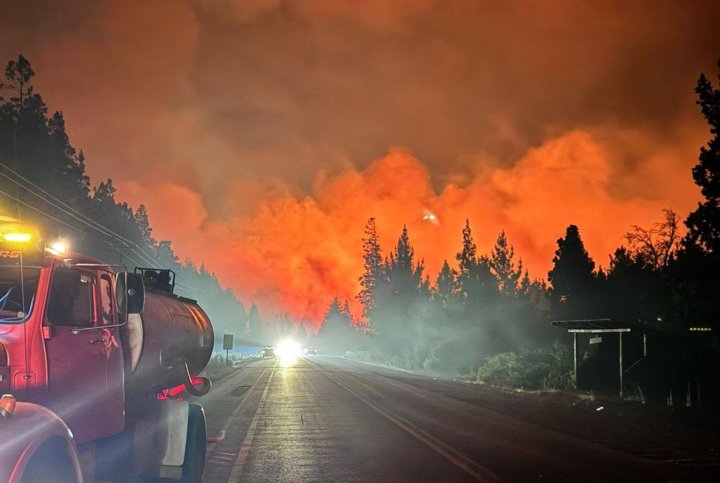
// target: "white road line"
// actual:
[[239, 463], [246, 398], [460, 460]]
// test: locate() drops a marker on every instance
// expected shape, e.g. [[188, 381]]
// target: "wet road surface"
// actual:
[[329, 419]]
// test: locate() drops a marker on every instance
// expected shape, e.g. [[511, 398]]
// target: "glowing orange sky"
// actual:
[[262, 134]]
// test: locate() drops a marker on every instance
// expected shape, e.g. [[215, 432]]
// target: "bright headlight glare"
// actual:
[[288, 350], [57, 248]]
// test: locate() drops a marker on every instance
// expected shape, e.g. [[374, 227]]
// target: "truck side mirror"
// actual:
[[130, 293]]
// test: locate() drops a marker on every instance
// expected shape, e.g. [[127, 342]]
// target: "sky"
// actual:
[[262, 134]]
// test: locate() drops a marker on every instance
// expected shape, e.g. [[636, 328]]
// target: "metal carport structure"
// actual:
[[601, 326]]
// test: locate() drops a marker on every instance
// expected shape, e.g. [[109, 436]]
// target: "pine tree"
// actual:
[[572, 276], [165, 255], [336, 333], [68, 165], [372, 269], [694, 271], [525, 284], [475, 279], [446, 285], [143, 223], [18, 74], [404, 276], [255, 332], [503, 266], [704, 223], [35, 148], [467, 257], [467, 262], [402, 290]]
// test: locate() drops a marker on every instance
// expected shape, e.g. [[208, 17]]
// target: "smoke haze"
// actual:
[[262, 134]]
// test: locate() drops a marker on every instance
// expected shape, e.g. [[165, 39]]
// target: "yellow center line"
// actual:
[[460, 460]]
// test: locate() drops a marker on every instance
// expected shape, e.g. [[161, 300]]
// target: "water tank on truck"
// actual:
[[170, 342]]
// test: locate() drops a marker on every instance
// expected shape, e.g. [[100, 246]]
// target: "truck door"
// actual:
[[83, 353]]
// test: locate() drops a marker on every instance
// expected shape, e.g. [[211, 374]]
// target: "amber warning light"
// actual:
[[15, 232], [17, 237], [20, 240]]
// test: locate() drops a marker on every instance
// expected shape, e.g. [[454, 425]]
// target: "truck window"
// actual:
[[106, 295], [17, 293], [71, 300]]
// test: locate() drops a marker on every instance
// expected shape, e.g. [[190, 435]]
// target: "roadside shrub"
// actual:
[[547, 368], [452, 356], [501, 370], [560, 375]]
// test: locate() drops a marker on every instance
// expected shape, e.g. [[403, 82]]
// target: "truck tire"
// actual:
[[195, 448], [51, 463]]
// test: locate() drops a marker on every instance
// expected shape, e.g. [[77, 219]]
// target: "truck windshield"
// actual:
[[17, 293]]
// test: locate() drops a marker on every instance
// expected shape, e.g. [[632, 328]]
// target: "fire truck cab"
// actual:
[[87, 355]]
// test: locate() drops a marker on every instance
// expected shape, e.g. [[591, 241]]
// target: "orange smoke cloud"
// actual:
[[294, 254], [249, 128]]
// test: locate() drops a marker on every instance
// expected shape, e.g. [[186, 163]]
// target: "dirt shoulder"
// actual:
[[681, 437]]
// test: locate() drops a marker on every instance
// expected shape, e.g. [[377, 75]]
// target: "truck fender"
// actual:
[[31, 434]]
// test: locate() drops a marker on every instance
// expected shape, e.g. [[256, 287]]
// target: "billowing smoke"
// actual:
[[296, 253], [257, 132]]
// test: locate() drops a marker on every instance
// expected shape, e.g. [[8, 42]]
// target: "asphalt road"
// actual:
[[329, 419]]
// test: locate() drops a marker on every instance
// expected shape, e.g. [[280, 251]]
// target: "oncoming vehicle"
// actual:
[[90, 362], [310, 351], [268, 352]]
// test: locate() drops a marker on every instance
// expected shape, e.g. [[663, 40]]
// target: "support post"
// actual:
[[620, 362], [575, 358]]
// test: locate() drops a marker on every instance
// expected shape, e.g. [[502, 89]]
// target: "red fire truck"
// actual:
[[88, 357]]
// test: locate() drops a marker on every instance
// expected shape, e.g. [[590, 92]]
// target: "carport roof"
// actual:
[[596, 325]]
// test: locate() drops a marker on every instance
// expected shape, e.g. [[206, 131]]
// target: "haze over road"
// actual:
[[330, 419]]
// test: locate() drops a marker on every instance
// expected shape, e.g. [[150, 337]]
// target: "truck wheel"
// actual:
[[50, 464], [194, 465]]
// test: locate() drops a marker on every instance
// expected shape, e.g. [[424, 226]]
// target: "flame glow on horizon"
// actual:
[[294, 254]]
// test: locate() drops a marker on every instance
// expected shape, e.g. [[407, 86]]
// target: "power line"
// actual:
[[76, 229], [131, 259], [78, 215], [40, 211], [44, 213], [96, 226], [73, 213]]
